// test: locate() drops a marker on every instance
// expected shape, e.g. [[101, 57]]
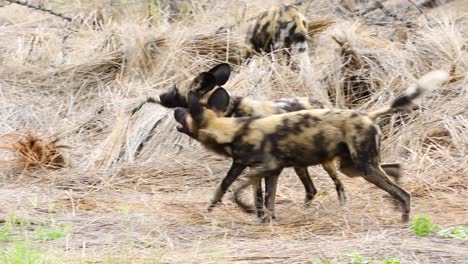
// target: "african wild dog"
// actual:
[[280, 27], [244, 107], [302, 138], [206, 83]]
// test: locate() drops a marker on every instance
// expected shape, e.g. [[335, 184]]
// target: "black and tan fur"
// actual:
[[206, 84], [202, 85], [280, 27], [302, 138]]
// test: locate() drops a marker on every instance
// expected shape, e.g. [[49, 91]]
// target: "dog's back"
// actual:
[[279, 27], [244, 106]]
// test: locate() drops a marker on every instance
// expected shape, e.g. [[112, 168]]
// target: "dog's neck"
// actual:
[[245, 107], [219, 130], [233, 108]]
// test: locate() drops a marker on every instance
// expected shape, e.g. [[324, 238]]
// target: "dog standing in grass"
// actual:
[[302, 138], [205, 86]]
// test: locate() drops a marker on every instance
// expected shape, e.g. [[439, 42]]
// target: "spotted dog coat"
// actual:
[[206, 83], [302, 138], [281, 27], [245, 107]]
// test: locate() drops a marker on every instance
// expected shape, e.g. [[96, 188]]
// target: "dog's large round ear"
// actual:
[[219, 100], [195, 108], [204, 83], [221, 72]]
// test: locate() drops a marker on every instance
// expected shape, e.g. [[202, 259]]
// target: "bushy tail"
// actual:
[[429, 81]]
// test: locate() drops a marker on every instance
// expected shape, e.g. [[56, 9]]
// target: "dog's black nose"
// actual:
[[164, 99], [170, 99]]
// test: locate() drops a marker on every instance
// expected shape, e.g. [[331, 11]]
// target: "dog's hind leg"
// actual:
[[377, 176], [393, 170], [309, 187]]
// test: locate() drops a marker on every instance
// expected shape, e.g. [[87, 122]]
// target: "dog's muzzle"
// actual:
[[180, 115]]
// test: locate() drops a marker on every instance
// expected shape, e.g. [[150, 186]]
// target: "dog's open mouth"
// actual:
[[180, 115], [184, 130], [180, 128]]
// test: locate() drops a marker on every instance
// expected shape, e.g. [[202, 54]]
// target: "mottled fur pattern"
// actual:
[[296, 139], [247, 107], [280, 27], [243, 107]]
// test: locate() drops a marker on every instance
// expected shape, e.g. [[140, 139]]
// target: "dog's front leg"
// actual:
[[271, 185], [258, 198], [233, 173]]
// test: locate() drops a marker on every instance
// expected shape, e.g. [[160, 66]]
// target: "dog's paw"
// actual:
[[210, 207], [267, 218]]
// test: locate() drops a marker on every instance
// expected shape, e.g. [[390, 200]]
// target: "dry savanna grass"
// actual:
[[130, 189]]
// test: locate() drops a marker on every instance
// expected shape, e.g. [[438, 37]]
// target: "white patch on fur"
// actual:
[[300, 45], [377, 138], [428, 82], [433, 80], [284, 33]]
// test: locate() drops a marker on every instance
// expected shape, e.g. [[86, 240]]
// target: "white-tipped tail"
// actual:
[[429, 81]]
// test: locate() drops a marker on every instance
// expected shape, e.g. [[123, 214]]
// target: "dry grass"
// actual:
[[134, 190]]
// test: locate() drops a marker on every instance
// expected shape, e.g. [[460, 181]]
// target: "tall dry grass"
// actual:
[[87, 82]]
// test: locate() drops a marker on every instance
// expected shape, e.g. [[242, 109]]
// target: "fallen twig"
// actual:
[[52, 12]]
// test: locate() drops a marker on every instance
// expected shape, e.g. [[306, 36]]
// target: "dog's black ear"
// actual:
[[219, 100], [204, 83], [221, 72], [196, 109]]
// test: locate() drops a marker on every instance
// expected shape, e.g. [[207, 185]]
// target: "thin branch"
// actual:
[[417, 6], [39, 8]]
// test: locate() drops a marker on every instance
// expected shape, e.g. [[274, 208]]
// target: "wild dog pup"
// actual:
[[207, 83], [281, 27], [302, 138]]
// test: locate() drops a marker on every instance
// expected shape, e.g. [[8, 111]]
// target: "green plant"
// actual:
[[459, 232], [422, 226], [355, 258], [52, 233], [392, 261], [10, 223], [21, 253], [5, 232]]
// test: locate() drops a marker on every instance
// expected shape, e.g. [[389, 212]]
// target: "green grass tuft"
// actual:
[[355, 258], [21, 253], [422, 225], [392, 261], [459, 232], [52, 233]]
